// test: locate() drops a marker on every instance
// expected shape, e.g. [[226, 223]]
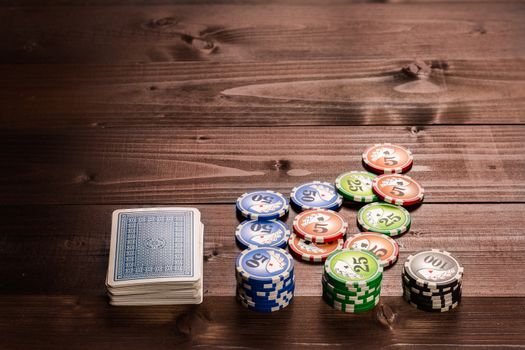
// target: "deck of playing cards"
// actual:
[[155, 257]]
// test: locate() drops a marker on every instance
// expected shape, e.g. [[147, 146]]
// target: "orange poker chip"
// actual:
[[387, 158], [384, 247], [310, 251], [398, 189], [320, 225]]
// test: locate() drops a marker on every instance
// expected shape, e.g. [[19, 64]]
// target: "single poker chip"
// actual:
[[353, 268], [264, 307], [431, 309], [264, 301], [356, 299], [356, 186], [433, 269], [311, 251], [387, 158], [320, 225], [265, 287], [262, 205], [431, 302], [349, 307], [409, 281], [384, 247], [262, 233], [267, 295], [398, 189], [353, 301], [356, 292], [415, 289], [389, 219], [264, 265], [316, 195]]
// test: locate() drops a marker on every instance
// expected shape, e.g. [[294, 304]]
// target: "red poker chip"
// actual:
[[310, 251], [385, 248], [387, 158], [320, 225], [398, 189]]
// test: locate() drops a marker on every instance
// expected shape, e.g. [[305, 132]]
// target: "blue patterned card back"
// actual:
[[155, 245]]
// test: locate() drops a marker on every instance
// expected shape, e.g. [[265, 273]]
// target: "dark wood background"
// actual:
[[112, 104]]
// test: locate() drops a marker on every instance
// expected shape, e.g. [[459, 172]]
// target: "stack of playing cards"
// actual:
[[155, 257]]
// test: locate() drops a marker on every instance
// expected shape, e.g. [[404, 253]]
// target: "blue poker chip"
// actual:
[[262, 205], [265, 288], [264, 265], [266, 300], [262, 306], [267, 285], [262, 233], [316, 195], [267, 294]]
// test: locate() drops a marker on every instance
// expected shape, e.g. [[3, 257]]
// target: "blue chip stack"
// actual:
[[265, 278]]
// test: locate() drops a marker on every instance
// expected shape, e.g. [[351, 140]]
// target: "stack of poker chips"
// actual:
[[432, 280], [352, 280], [318, 229], [265, 279], [262, 208]]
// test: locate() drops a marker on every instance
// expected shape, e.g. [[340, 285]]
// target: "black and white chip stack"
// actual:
[[432, 280]]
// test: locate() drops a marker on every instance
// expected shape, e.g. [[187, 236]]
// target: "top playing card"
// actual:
[[155, 245]]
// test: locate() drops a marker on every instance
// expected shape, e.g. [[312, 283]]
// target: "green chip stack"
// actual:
[[352, 280]]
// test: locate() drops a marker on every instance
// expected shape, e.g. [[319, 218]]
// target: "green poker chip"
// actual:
[[345, 288], [345, 307], [357, 300], [356, 186], [351, 268], [389, 219], [353, 292]]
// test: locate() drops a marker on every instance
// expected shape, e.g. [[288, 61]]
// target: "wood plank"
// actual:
[[50, 322], [117, 34], [65, 248], [316, 92], [216, 165]]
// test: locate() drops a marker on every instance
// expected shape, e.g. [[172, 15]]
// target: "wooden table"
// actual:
[[112, 104]]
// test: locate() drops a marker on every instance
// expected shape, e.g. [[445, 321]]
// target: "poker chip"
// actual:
[[433, 269], [351, 308], [389, 219], [265, 278], [387, 158], [398, 189], [349, 291], [311, 251], [384, 247], [316, 195], [320, 226], [262, 205], [262, 233], [432, 280], [356, 186], [353, 268]]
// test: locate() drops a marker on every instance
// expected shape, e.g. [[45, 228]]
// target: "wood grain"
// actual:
[[322, 92], [51, 322], [69, 245], [216, 165], [226, 33], [129, 104]]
